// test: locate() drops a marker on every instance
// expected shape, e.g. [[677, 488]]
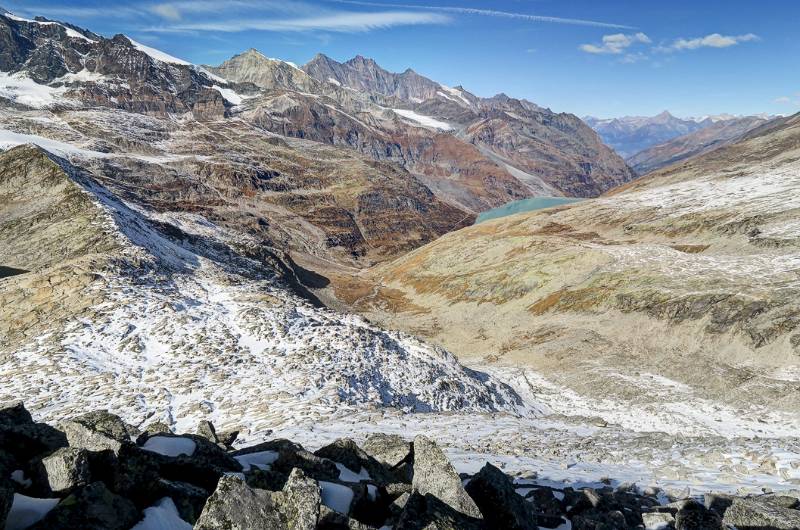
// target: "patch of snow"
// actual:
[[18, 476], [163, 515], [10, 139], [427, 121], [70, 32], [170, 445], [455, 93], [27, 511], [158, 54], [230, 95], [336, 496], [372, 491], [23, 90], [213, 77], [345, 475], [83, 76], [260, 460], [334, 81]]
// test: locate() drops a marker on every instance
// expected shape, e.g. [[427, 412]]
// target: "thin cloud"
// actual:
[[616, 44], [338, 22], [489, 13], [167, 11], [714, 40]]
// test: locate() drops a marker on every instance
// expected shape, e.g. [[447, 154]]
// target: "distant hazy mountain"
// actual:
[[720, 132], [631, 134]]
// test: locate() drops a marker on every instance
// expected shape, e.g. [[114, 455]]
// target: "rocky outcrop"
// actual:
[[295, 500]]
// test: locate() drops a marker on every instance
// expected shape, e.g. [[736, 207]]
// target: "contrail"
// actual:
[[491, 13]]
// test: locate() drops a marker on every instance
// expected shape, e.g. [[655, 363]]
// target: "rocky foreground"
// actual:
[[95, 471]]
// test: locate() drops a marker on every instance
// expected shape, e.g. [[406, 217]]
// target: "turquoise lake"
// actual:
[[524, 205]]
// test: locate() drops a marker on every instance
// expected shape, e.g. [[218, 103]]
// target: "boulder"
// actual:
[[694, 516], [656, 520], [544, 501], [66, 469], [333, 520], [311, 464], [154, 429], [501, 506], [236, 506], [435, 475], [98, 431], [227, 438], [92, 507], [266, 479], [426, 512], [389, 449], [278, 445], [718, 502], [757, 513], [301, 501], [206, 430], [345, 452], [25, 441], [15, 414]]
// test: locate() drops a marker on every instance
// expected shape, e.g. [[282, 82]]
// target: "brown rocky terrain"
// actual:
[[689, 274]]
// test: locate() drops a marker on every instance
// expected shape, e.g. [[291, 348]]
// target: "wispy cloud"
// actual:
[[616, 44], [338, 22], [714, 40], [793, 100], [489, 13]]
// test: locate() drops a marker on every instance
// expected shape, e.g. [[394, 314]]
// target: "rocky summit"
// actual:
[[94, 471]]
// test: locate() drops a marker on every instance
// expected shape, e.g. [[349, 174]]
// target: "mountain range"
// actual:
[[649, 143], [290, 252]]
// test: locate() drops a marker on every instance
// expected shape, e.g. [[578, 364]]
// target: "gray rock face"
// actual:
[[347, 453], [435, 475], [301, 502], [501, 506], [67, 469], [426, 512], [312, 465], [695, 516], [760, 513], [390, 449], [97, 431], [658, 520], [93, 507], [207, 431], [236, 506]]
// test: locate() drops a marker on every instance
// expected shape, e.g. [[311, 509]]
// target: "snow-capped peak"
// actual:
[[158, 55]]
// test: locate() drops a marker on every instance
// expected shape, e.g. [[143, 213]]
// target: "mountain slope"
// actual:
[[632, 134], [181, 316], [701, 141], [689, 274]]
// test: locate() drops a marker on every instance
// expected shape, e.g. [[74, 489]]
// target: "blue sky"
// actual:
[[600, 57]]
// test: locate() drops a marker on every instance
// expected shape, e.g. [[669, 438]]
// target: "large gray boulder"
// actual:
[[98, 431], [389, 449], [93, 507], [435, 475], [426, 512], [502, 507], [345, 452], [759, 512], [236, 506], [66, 469], [301, 501], [694, 516]]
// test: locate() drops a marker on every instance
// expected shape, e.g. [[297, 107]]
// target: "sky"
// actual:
[[605, 58]]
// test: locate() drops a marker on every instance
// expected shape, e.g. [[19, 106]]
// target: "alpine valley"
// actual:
[[252, 295]]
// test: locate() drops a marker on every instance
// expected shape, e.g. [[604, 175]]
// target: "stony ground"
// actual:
[[95, 471]]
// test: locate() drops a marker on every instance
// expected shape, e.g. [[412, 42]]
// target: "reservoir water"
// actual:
[[524, 205]]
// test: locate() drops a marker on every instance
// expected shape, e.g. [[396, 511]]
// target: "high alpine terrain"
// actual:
[[178, 242]]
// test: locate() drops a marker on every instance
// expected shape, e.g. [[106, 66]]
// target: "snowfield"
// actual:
[[427, 121]]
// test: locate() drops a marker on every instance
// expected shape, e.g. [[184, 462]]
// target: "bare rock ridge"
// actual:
[[157, 479]]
